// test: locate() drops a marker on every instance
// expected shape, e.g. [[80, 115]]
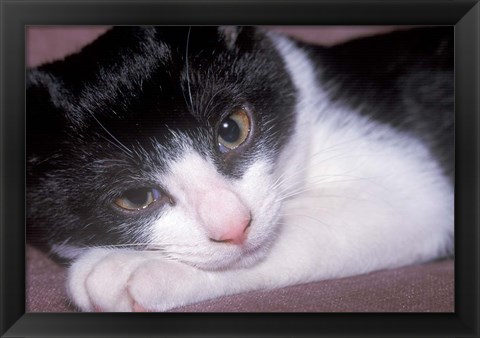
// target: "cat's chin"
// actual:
[[233, 258]]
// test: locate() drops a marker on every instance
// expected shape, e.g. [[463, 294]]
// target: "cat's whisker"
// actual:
[[315, 196], [165, 254], [296, 193], [333, 148], [109, 133], [188, 70], [314, 185], [162, 245], [298, 225], [306, 216], [337, 145], [329, 214], [186, 245], [286, 176], [283, 179], [376, 201], [128, 154], [279, 184], [208, 107]]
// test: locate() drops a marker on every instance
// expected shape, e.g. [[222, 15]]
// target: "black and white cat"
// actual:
[[177, 164]]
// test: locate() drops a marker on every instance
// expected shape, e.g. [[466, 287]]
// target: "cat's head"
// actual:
[[162, 138]]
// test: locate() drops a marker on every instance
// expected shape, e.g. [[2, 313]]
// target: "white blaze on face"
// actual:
[[203, 193], [222, 214], [215, 220]]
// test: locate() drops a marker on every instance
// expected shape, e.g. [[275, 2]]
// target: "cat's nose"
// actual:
[[235, 235], [224, 216]]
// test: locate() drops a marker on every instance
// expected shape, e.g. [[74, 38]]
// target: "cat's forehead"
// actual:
[[168, 70], [163, 91], [179, 77]]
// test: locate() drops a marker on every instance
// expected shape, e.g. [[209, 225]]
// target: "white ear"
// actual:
[[229, 34]]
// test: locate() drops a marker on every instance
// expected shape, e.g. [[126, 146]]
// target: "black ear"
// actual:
[[229, 34], [46, 121], [242, 37]]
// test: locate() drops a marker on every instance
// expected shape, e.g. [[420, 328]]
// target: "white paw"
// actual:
[[125, 281]]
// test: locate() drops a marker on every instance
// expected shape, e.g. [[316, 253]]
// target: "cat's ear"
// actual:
[[237, 36], [229, 34], [46, 121]]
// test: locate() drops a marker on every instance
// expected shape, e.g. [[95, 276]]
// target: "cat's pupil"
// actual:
[[229, 130], [138, 196]]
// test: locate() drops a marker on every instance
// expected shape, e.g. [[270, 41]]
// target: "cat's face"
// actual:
[[161, 138]]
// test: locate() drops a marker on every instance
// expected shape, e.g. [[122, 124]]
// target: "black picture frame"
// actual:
[[16, 14]]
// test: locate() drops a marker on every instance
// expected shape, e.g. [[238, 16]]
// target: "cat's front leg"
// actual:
[[124, 281]]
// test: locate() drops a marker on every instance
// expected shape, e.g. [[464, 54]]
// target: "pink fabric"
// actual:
[[422, 288], [48, 43]]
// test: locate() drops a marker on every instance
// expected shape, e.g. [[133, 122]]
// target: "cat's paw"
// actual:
[[125, 281]]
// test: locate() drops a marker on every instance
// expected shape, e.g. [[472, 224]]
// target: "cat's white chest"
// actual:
[[365, 195]]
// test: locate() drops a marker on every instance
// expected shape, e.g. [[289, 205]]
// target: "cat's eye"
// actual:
[[137, 199], [233, 130]]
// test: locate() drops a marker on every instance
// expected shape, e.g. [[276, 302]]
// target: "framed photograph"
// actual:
[[127, 132]]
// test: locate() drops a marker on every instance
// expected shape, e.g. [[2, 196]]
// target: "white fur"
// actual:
[[182, 230], [352, 197]]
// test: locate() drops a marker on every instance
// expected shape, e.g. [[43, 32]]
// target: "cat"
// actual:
[[171, 165]]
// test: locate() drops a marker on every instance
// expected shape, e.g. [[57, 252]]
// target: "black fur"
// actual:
[[97, 121], [404, 79]]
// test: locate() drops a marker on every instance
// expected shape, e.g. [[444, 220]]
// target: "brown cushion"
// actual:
[[421, 288]]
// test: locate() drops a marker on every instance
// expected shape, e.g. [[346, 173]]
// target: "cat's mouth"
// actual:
[[222, 262], [225, 256], [218, 255], [257, 238]]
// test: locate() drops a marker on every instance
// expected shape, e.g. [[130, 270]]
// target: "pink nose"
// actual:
[[224, 216], [235, 234]]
